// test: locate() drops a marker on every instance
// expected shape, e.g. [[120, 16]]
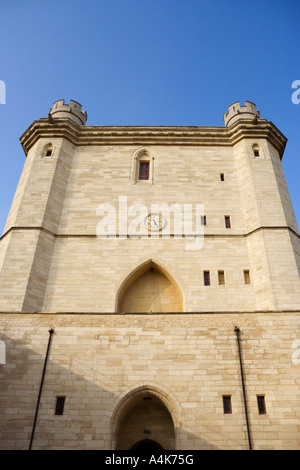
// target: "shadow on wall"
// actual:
[[94, 416]]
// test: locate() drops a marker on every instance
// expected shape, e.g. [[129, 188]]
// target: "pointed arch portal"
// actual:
[[144, 423], [149, 288], [147, 445]]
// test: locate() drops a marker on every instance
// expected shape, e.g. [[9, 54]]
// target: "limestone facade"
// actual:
[[144, 345]]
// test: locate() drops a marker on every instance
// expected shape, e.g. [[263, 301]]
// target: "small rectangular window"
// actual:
[[247, 276], [206, 278], [144, 171], [227, 404], [222, 177], [227, 221], [203, 219], [221, 277], [256, 153], [60, 404], [261, 403]]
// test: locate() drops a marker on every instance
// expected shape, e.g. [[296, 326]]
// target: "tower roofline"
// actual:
[[152, 135]]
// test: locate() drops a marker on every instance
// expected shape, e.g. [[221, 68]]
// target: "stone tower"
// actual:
[[146, 252]]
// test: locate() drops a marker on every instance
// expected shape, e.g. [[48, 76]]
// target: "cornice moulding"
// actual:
[[152, 135]]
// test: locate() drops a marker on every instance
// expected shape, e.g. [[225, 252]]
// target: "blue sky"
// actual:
[[147, 62]]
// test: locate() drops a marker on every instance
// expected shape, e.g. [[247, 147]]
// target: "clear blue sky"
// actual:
[[147, 62]]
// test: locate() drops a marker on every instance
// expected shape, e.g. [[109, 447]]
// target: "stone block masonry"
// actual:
[[144, 351], [96, 361]]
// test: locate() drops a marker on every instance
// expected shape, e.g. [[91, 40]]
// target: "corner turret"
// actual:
[[238, 113], [71, 111]]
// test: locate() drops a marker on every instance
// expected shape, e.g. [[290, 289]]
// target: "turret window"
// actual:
[[48, 151], [257, 151]]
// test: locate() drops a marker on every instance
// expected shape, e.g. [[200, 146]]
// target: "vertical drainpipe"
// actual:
[[238, 331], [41, 388]]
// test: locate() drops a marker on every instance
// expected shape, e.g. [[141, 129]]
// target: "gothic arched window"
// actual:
[[143, 166]]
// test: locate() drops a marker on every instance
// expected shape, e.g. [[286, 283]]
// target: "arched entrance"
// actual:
[[147, 445], [144, 423], [149, 288]]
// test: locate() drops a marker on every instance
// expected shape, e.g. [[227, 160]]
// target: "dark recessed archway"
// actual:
[[147, 445], [144, 423]]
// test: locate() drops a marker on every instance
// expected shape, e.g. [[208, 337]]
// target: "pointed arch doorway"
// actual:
[[144, 423], [147, 445], [149, 288]]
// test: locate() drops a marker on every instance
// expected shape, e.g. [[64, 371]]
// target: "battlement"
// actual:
[[71, 111], [236, 112]]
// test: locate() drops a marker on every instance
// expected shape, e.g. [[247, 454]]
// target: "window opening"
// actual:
[[227, 221], [60, 404], [144, 171], [227, 407], [261, 404], [221, 277], [247, 276], [206, 278]]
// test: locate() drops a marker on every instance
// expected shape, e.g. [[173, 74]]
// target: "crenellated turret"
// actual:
[[71, 111], [236, 112]]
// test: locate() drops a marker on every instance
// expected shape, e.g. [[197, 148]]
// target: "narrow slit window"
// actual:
[[203, 219], [221, 277], [60, 404], [206, 278], [227, 407], [227, 221], [247, 276], [222, 177], [261, 403], [144, 171]]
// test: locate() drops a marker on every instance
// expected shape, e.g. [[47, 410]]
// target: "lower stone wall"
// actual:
[[186, 361]]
